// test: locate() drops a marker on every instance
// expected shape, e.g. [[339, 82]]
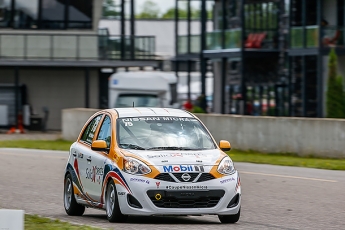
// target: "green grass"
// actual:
[[37, 144], [287, 160], [34, 222], [236, 155]]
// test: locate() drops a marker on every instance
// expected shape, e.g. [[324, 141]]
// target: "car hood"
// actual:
[[168, 157]]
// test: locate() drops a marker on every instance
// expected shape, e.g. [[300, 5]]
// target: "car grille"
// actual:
[[165, 177], [169, 178], [185, 199]]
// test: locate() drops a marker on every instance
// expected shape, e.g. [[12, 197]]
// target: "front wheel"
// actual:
[[230, 219], [72, 208], [112, 204]]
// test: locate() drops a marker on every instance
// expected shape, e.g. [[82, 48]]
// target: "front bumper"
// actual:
[[158, 197]]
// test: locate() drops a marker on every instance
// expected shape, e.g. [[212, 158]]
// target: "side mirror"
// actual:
[[99, 145], [224, 145]]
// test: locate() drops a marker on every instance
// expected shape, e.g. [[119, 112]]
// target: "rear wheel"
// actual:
[[230, 219], [72, 208], [112, 204]]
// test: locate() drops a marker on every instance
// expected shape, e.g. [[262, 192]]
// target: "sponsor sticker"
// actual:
[[158, 119], [121, 193], [164, 155], [183, 168], [227, 180], [94, 174], [140, 180], [157, 184], [182, 187]]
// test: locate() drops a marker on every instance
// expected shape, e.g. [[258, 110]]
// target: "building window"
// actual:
[[80, 14], [25, 14], [5, 13], [46, 14], [52, 14]]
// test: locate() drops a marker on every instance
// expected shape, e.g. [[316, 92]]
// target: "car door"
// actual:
[[85, 157], [99, 159]]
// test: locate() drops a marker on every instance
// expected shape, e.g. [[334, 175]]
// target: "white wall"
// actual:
[[73, 121]]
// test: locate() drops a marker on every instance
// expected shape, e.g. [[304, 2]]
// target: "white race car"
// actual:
[[150, 161]]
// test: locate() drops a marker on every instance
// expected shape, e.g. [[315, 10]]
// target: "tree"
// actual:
[[109, 8], [182, 13], [149, 10], [335, 101]]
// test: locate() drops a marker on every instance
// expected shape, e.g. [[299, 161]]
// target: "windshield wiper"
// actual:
[[170, 148], [132, 146]]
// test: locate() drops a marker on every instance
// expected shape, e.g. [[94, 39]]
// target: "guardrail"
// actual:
[[76, 47]]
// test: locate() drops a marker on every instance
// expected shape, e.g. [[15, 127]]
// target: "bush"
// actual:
[[335, 101]]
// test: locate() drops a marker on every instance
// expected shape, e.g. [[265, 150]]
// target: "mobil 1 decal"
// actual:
[[183, 168]]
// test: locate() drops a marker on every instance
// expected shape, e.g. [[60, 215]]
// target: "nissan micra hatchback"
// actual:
[[150, 161]]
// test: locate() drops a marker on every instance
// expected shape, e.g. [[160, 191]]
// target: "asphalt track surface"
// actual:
[[274, 197]]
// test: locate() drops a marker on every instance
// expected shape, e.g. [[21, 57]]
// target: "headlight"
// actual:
[[134, 166], [226, 166]]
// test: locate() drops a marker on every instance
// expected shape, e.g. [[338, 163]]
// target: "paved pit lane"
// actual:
[[274, 197]]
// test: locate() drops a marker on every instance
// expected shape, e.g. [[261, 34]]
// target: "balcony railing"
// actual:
[[213, 41], [297, 38], [232, 39], [75, 47], [195, 44]]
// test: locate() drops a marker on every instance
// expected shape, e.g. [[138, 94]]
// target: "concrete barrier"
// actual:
[[73, 121], [11, 219], [304, 136]]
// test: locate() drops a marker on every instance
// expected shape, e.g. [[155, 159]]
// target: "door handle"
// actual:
[[89, 158]]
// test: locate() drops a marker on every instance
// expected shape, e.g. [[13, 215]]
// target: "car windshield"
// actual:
[[139, 100], [163, 133]]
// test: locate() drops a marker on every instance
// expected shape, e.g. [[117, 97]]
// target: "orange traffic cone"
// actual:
[[20, 128]]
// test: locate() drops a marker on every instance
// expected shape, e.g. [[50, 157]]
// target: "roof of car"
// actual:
[[144, 112]]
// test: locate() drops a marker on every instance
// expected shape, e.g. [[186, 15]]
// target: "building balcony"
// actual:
[[297, 38], [195, 44], [213, 41], [331, 37], [76, 47], [232, 39]]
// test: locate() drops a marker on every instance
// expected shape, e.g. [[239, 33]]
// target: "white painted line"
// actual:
[[291, 177]]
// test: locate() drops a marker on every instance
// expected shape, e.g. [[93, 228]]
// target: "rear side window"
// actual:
[[105, 131], [90, 130]]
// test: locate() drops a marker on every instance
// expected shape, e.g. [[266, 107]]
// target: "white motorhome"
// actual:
[[143, 89]]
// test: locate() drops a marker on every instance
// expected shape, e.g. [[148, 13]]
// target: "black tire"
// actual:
[[112, 205], [230, 219], [72, 208]]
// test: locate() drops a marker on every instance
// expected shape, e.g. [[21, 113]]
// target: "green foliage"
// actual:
[[37, 144], [149, 10], [183, 13], [197, 109], [110, 8], [286, 159], [335, 101]]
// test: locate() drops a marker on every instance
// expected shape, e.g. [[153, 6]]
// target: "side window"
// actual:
[[105, 131], [90, 130]]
